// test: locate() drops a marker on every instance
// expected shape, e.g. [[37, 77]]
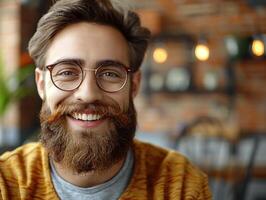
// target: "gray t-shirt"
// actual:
[[111, 189]]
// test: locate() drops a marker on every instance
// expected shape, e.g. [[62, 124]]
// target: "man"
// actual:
[[88, 55]]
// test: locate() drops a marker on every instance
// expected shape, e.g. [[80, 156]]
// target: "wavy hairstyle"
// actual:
[[104, 12]]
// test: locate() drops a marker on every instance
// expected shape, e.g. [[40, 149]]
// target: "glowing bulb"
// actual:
[[160, 55], [257, 47], [202, 52]]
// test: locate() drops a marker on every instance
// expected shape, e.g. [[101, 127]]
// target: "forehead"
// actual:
[[90, 42]]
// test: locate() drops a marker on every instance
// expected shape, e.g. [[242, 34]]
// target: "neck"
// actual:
[[88, 179]]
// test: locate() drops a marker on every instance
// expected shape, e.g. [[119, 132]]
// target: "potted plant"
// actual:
[[12, 88]]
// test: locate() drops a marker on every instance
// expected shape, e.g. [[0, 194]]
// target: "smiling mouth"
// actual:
[[86, 117]]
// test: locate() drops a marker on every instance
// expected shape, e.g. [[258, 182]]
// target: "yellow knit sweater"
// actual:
[[158, 174]]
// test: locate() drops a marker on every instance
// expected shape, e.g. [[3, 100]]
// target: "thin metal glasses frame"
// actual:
[[127, 69]]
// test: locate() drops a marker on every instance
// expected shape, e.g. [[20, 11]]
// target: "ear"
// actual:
[[39, 79], [136, 79]]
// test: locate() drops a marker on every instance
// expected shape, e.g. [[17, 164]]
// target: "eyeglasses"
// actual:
[[68, 76]]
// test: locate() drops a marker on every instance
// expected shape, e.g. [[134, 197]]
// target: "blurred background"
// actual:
[[203, 91]]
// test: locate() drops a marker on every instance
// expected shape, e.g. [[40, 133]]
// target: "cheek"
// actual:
[[122, 97], [53, 96], [53, 99]]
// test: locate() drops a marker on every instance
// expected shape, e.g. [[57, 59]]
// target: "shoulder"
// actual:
[[24, 159], [22, 153], [25, 173], [158, 156], [167, 169]]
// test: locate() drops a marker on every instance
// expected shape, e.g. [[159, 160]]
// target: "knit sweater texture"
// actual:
[[158, 174]]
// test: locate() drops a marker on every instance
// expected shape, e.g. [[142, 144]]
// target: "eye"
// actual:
[[66, 72], [110, 74]]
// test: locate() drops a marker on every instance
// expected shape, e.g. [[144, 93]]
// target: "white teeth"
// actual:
[[86, 117], [94, 117]]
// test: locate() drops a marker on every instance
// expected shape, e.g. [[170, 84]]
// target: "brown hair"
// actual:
[[66, 12]]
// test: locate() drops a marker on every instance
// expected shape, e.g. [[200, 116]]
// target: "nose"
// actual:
[[88, 91]]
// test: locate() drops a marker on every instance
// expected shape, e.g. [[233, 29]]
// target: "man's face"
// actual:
[[87, 129]]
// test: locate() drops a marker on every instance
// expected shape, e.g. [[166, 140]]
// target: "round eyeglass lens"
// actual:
[[67, 76], [111, 78]]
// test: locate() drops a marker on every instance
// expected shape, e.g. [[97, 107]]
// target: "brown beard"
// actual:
[[93, 151]]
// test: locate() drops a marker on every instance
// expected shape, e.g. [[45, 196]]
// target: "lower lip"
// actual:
[[85, 124]]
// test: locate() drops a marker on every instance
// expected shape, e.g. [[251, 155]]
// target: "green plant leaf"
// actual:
[[13, 87], [24, 72], [22, 92], [4, 93], [4, 98]]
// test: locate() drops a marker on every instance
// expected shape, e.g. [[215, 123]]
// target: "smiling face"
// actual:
[[81, 123]]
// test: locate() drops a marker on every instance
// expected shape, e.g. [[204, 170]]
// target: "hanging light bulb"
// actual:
[[160, 55], [258, 47], [202, 52]]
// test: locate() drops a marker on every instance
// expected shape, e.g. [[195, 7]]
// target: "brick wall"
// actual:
[[216, 19], [9, 50]]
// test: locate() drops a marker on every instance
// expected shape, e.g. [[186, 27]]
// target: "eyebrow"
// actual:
[[75, 61], [81, 62], [109, 62]]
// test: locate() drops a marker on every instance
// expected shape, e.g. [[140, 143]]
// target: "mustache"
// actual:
[[110, 110]]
